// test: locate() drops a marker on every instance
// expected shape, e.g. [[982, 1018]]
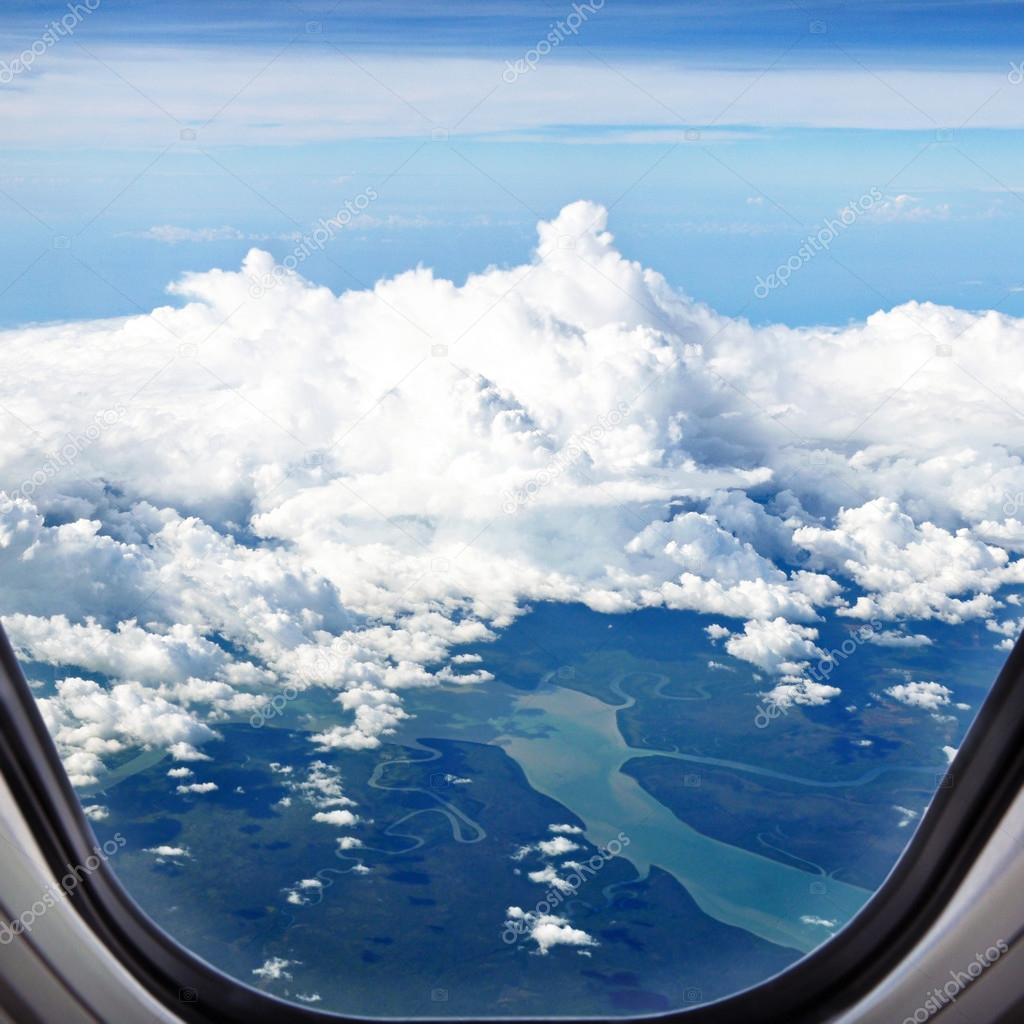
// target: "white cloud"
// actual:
[[197, 787], [904, 208], [173, 234], [339, 818], [274, 969], [907, 815], [89, 720], [306, 96], [894, 638], [909, 569], [169, 851], [928, 695], [547, 930], [623, 412], [557, 846], [775, 645], [569, 830], [823, 922], [549, 876], [96, 812]]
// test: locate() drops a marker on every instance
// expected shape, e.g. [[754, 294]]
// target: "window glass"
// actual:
[[509, 510]]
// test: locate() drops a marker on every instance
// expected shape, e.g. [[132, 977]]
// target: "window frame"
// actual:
[[985, 776]]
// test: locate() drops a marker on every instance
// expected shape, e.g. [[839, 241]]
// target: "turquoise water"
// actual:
[[570, 749]]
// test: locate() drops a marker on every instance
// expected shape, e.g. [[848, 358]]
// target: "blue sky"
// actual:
[[153, 140]]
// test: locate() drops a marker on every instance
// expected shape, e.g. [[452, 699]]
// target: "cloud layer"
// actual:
[[302, 489]]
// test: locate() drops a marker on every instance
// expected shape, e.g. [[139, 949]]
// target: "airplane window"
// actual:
[[509, 510]]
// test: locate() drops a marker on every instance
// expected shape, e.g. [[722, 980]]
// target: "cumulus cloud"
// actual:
[[339, 818], [910, 570], [774, 645], [547, 930], [316, 490], [894, 638], [88, 720], [197, 787], [173, 852], [928, 695]]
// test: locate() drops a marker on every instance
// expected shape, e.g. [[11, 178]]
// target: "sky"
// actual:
[[333, 339], [148, 140]]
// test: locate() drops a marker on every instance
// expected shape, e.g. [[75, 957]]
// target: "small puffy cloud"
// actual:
[[274, 969], [547, 930], [186, 752], [775, 645], [166, 851], [928, 695], [96, 812], [298, 894], [179, 773], [557, 846], [339, 818], [197, 787], [894, 638], [569, 830], [549, 876], [321, 787], [798, 690]]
